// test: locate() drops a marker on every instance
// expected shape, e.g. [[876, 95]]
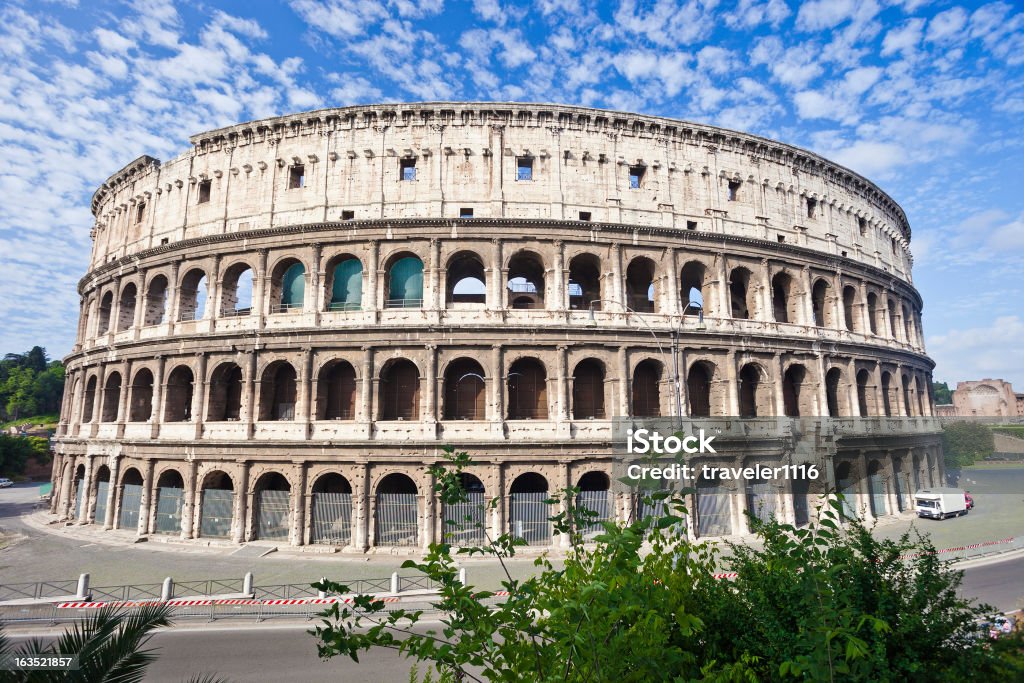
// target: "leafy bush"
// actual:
[[965, 442]]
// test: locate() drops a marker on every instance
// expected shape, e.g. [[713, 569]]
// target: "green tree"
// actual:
[[941, 393], [30, 384], [817, 603], [965, 442]]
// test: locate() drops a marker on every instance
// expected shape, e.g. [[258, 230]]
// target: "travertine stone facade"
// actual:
[[283, 326]]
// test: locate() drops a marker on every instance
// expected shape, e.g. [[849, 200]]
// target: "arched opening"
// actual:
[[217, 506], [79, 490], [336, 392], [170, 502], [345, 283], [278, 392], [694, 277], [783, 304], [850, 308], [141, 406], [873, 313], [792, 386], [464, 391], [529, 511], [126, 307], [400, 391], [876, 489], [106, 307], [908, 335], [404, 283], [332, 510], [907, 409], [832, 379], [288, 287], [762, 498], [640, 285], [156, 301], [887, 401], [916, 471], [111, 397], [273, 509], [646, 389], [526, 281], [178, 395], [742, 300], [588, 390], [236, 291], [466, 282], [397, 512], [596, 498], [698, 389], [893, 326], [465, 523], [754, 392], [89, 400], [192, 296], [863, 377], [131, 499], [585, 282], [820, 304], [225, 394], [714, 517], [527, 390], [102, 478], [846, 487]]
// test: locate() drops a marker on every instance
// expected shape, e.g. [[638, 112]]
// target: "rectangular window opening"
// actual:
[[296, 177], [348, 215], [140, 212], [863, 225], [812, 205], [892, 243], [408, 169], [734, 190], [584, 215], [164, 240], [524, 168], [465, 212], [782, 238], [843, 253], [691, 225], [204, 190], [636, 176]]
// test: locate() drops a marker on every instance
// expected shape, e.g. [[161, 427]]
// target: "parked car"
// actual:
[[968, 500], [5, 482]]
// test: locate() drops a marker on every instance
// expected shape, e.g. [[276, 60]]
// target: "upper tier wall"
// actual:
[[694, 177]]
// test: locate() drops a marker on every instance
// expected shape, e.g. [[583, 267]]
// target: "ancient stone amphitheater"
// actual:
[[282, 327]]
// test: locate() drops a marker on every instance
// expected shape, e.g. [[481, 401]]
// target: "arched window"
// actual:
[[170, 502], [832, 379], [694, 276], [142, 397], [527, 390], [332, 510], [646, 392], [887, 401], [225, 394], [396, 518], [783, 306], [585, 282], [346, 285], [192, 298], [906, 396], [596, 497], [178, 396], [640, 285], [894, 328], [466, 282], [106, 306], [820, 304], [526, 281], [907, 332], [753, 392], [89, 400], [876, 489], [273, 507], [465, 522], [126, 307], [101, 484], [873, 313], [740, 296], [400, 391], [529, 511], [863, 377], [156, 301], [588, 390], [217, 505], [850, 308], [236, 293], [404, 283], [698, 389], [464, 391], [131, 499], [278, 392], [792, 386], [111, 397], [288, 287], [336, 392]]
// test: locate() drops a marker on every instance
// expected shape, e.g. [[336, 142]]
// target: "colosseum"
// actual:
[[283, 327]]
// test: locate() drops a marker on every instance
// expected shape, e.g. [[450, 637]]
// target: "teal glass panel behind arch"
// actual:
[[405, 282], [347, 292], [293, 286]]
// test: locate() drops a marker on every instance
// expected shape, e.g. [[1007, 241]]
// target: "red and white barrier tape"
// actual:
[[961, 548], [287, 602]]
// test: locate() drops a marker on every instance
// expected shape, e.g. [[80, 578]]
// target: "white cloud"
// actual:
[[904, 39], [752, 13], [988, 350], [821, 14], [946, 25]]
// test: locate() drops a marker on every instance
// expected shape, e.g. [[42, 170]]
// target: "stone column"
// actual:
[[314, 299], [213, 289], [732, 384], [122, 400], [429, 513], [616, 261], [865, 314], [200, 387], [880, 395], [672, 300], [822, 395], [428, 412], [147, 498], [558, 286], [361, 511], [562, 383], [157, 406], [366, 386], [173, 300], [498, 513], [892, 501], [249, 391], [780, 374], [65, 500], [766, 291], [372, 266], [495, 282], [495, 377], [851, 369], [724, 305], [189, 505], [259, 289], [807, 310], [565, 481], [433, 298], [108, 517], [241, 504], [297, 533], [304, 411], [622, 364], [140, 305], [88, 497]]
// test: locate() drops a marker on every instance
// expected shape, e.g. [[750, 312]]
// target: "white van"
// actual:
[[939, 503]]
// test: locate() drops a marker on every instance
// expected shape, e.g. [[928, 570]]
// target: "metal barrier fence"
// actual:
[[131, 500], [169, 504], [100, 514], [216, 513], [530, 517], [599, 502], [272, 514], [397, 519], [332, 518], [464, 523]]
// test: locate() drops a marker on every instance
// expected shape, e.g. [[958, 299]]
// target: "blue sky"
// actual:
[[925, 98]]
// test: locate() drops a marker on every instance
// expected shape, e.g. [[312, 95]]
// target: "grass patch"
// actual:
[[34, 420], [996, 465]]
